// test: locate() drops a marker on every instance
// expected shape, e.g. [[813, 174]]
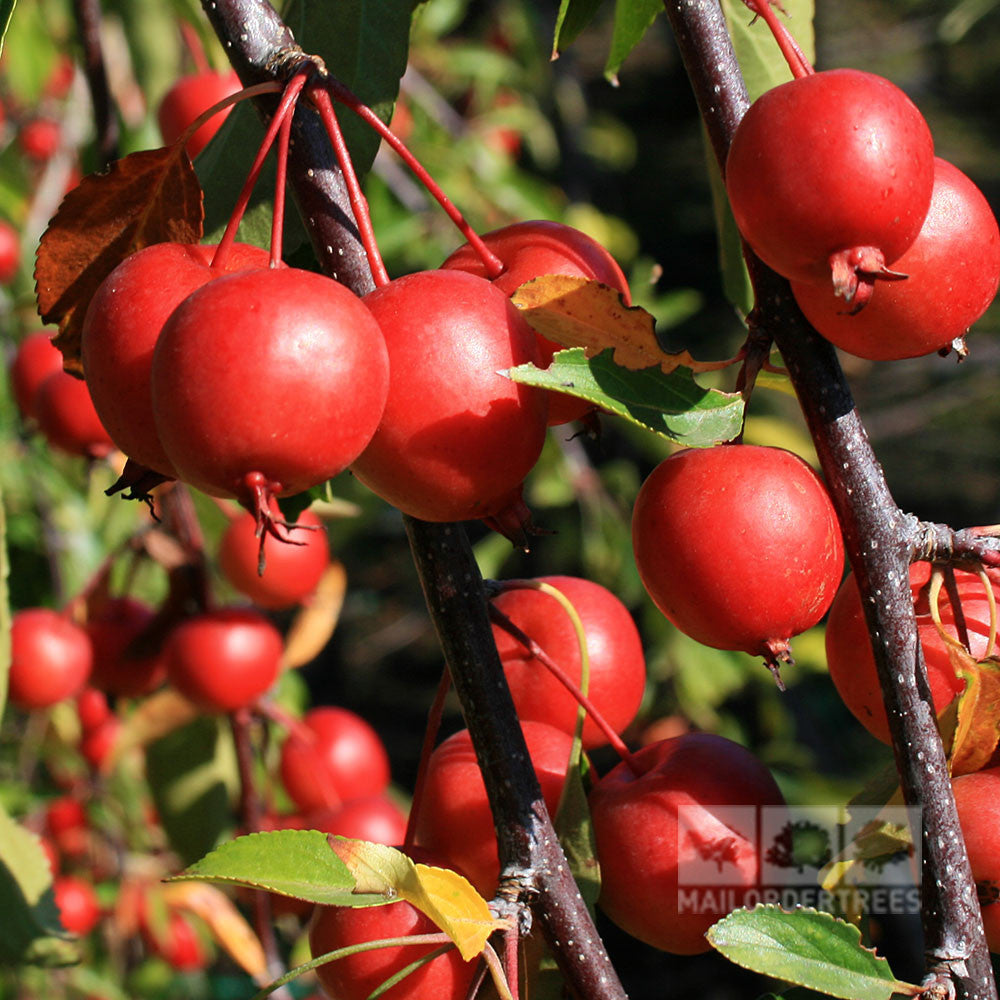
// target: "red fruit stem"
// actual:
[[289, 96], [617, 744], [226, 102], [359, 204], [492, 264], [195, 49], [280, 179], [794, 56], [430, 739]]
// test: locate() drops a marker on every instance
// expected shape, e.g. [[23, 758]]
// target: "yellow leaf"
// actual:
[[443, 896], [976, 732], [227, 924], [314, 624], [575, 312]]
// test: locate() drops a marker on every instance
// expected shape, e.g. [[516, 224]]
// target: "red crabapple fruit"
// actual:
[[335, 756], [614, 649], [457, 438], [266, 383], [830, 177], [224, 659], [952, 272], [35, 359], [738, 546], [849, 653], [67, 418], [121, 328], [187, 99], [977, 801], [50, 658], [660, 817]]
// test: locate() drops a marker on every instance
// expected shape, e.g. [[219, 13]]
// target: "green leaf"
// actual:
[[807, 948], [576, 834], [632, 20], [192, 775], [573, 17], [673, 405], [30, 931], [761, 62], [295, 863], [6, 12]]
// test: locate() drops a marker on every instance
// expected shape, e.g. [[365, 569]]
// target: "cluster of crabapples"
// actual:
[[891, 251]]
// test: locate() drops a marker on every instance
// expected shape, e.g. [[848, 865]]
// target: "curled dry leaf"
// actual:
[[152, 196], [227, 924], [575, 312], [314, 624], [977, 730]]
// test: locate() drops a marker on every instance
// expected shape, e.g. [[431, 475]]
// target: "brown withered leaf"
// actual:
[[152, 196], [315, 623], [575, 312], [228, 926], [156, 716], [976, 732]]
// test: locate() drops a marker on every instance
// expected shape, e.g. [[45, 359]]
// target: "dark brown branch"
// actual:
[[261, 48], [880, 541], [88, 19]]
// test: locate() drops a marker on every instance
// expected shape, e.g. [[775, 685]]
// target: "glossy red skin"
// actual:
[[354, 978], [737, 545], [977, 801], [848, 647], [224, 659], [51, 658], [828, 162], [530, 249], [456, 439], [35, 360], [121, 328], [292, 569], [293, 388], [614, 649], [79, 910], [347, 760], [375, 818], [10, 252], [952, 268], [67, 418], [39, 139], [113, 628], [187, 99], [454, 819], [640, 844]]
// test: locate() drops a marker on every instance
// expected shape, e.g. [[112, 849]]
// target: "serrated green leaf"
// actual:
[[573, 17], [576, 834], [807, 948], [632, 20], [295, 863], [673, 405], [30, 931]]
